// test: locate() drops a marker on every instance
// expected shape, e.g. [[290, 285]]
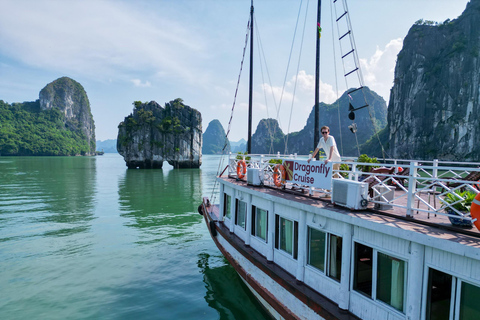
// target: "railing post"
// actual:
[[412, 188], [355, 172], [435, 169]]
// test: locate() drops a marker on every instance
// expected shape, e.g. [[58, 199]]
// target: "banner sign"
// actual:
[[316, 173]]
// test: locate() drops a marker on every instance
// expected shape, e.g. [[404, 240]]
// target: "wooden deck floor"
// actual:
[[435, 225]]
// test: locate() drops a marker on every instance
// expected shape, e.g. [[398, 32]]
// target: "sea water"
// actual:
[[87, 238]]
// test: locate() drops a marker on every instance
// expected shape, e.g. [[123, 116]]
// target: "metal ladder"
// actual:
[[348, 51]]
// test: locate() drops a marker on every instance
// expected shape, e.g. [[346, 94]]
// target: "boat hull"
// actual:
[[280, 295]]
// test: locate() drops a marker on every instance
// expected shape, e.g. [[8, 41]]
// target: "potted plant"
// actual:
[[365, 168], [461, 201]]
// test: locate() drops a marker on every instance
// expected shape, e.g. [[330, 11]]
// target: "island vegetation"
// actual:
[[26, 130]]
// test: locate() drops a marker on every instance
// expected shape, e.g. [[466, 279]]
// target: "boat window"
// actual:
[[260, 223], [469, 307], [316, 248], [390, 280], [241, 214], [439, 295], [363, 269], [286, 235], [335, 257], [227, 206]]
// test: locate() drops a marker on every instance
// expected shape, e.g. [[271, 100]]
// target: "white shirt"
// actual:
[[326, 145]]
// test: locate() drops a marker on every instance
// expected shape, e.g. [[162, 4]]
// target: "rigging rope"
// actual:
[[296, 79], [288, 64], [336, 77], [277, 106], [359, 74], [262, 60], [220, 163]]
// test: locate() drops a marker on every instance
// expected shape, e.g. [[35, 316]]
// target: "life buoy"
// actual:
[[475, 210], [279, 175], [241, 169]]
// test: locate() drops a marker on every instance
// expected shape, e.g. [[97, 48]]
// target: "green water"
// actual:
[[85, 238]]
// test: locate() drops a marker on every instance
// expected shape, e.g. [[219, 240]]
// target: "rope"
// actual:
[[336, 77], [359, 75], [296, 78], [262, 59], [220, 163], [288, 63]]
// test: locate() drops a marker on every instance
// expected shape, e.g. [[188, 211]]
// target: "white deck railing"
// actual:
[[421, 187]]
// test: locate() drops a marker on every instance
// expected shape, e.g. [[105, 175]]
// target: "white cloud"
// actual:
[[100, 39], [379, 69], [139, 83]]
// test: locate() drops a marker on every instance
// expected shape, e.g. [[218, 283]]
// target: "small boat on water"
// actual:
[[313, 242]]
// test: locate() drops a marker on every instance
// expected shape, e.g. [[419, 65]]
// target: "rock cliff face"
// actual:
[[152, 134], [70, 98], [269, 138], [214, 139], [434, 104]]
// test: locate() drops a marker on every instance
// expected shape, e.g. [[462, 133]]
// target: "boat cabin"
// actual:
[[355, 249]]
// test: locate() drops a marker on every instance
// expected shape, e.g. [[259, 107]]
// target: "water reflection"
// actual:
[[161, 202], [56, 194], [226, 292]]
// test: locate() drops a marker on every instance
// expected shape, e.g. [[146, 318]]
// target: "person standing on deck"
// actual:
[[328, 144]]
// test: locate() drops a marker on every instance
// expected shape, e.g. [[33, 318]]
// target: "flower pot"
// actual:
[[458, 222]]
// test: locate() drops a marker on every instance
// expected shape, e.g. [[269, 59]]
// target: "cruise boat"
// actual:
[[311, 242]]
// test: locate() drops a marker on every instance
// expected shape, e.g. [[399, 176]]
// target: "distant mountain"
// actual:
[[214, 139], [107, 146], [238, 146], [269, 138]]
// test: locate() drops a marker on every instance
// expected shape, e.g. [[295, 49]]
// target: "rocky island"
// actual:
[[153, 134], [435, 100], [214, 139], [60, 123]]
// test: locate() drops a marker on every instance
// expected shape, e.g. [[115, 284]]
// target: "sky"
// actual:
[[160, 50]]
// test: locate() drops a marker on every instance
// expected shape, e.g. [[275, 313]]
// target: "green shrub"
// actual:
[[457, 196], [366, 159]]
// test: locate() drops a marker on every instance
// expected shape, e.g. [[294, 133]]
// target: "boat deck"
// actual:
[[432, 225]]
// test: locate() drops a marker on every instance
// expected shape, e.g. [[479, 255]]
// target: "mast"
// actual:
[[250, 92], [316, 130]]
